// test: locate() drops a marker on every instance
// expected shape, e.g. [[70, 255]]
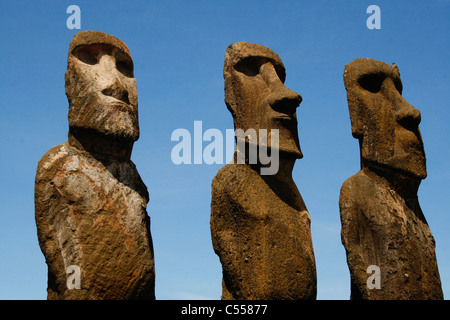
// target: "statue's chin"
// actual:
[[111, 122], [406, 165]]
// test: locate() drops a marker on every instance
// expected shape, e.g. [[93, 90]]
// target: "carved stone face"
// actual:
[[101, 87], [386, 125], [256, 95]]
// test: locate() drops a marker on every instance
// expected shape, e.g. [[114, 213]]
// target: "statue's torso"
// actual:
[[264, 242], [380, 228], [94, 216]]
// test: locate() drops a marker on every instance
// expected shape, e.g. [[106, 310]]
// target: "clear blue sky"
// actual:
[[178, 49]]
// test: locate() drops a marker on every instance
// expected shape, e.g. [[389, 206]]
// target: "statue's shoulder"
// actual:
[[235, 177], [358, 183], [237, 185], [59, 162], [355, 192], [363, 193], [52, 161]]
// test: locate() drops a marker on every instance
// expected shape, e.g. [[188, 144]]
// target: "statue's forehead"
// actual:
[[359, 67], [243, 51], [87, 38]]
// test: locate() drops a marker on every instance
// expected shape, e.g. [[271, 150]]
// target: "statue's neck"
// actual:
[[100, 146], [282, 170], [404, 184]]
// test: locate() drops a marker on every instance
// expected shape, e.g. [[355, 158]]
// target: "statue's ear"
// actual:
[[230, 94], [356, 117], [230, 103], [354, 105]]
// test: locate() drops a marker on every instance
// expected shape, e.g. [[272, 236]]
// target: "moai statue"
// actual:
[[260, 226], [90, 202], [389, 245]]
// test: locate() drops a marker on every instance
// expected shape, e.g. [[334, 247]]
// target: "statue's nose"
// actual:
[[113, 85], [281, 98], [408, 116]]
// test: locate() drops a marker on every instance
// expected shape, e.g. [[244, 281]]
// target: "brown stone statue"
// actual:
[[389, 245], [90, 202], [260, 226]]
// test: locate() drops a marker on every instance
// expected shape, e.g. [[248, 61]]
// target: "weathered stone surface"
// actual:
[[382, 222], [260, 226], [90, 202]]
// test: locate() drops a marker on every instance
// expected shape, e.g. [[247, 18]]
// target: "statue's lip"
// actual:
[[121, 96], [288, 117], [112, 101], [285, 113], [285, 116], [122, 106]]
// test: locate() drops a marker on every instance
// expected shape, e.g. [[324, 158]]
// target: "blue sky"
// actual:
[[178, 50]]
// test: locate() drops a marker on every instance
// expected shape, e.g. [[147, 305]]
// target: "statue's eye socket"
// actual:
[[125, 68], [398, 85], [249, 66], [372, 82], [124, 64], [86, 56]]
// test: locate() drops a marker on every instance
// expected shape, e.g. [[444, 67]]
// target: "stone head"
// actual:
[[385, 124], [256, 96], [101, 87]]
